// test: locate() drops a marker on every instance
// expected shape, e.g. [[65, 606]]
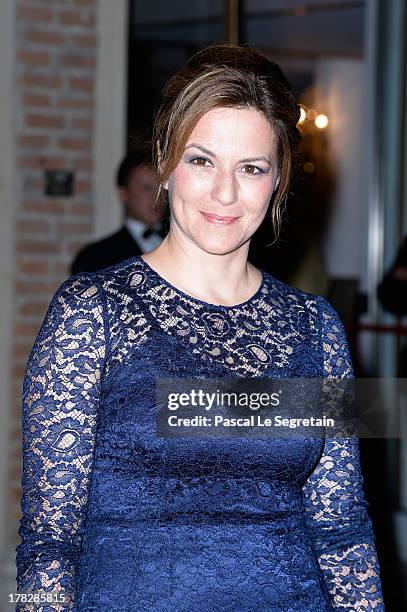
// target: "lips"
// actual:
[[218, 220]]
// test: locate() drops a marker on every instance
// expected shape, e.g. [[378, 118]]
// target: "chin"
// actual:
[[218, 247]]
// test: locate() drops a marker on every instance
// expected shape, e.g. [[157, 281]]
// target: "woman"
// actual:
[[120, 518]]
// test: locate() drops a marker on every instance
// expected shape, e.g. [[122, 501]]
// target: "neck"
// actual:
[[219, 278]]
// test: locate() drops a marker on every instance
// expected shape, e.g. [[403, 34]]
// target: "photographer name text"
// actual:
[[249, 421]]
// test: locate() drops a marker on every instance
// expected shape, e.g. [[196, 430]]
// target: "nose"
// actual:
[[224, 189]]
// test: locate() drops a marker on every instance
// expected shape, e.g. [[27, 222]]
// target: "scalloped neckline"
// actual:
[[247, 302]]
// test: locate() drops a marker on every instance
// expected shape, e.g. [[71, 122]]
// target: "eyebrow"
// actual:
[[241, 161]]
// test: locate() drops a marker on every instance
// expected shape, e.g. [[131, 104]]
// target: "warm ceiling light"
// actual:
[[321, 121]]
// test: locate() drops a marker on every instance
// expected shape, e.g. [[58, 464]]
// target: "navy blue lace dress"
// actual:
[[118, 518]]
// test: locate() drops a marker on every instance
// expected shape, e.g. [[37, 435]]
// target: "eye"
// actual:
[[250, 169], [198, 161]]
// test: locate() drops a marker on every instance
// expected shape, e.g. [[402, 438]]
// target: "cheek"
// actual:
[[257, 194], [186, 184], [134, 194]]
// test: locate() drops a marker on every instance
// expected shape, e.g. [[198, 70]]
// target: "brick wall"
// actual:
[[54, 115]]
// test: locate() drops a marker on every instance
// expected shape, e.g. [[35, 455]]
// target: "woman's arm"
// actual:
[[336, 509], [60, 403]]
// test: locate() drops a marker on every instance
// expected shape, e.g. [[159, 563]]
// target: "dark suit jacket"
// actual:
[[106, 252]]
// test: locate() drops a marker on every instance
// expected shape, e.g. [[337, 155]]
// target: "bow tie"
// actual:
[[148, 232]]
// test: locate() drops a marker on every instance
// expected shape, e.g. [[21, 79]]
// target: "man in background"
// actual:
[[142, 229]]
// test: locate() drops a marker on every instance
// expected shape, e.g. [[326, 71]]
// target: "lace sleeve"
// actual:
[[333, 495], [59, 414]]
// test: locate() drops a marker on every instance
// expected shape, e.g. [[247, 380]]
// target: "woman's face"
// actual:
[[220, 191]]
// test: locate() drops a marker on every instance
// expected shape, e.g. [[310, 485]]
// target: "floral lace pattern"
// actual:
[[111, 513], [60, 398], [334, 499]]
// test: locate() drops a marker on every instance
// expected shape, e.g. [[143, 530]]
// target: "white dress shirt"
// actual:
[[136, 229]]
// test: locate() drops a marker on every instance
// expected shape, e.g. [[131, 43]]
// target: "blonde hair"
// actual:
[[224, 75]]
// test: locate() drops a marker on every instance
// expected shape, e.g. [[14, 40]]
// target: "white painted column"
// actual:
[[339, 85], [371, 243], [110, 105]]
